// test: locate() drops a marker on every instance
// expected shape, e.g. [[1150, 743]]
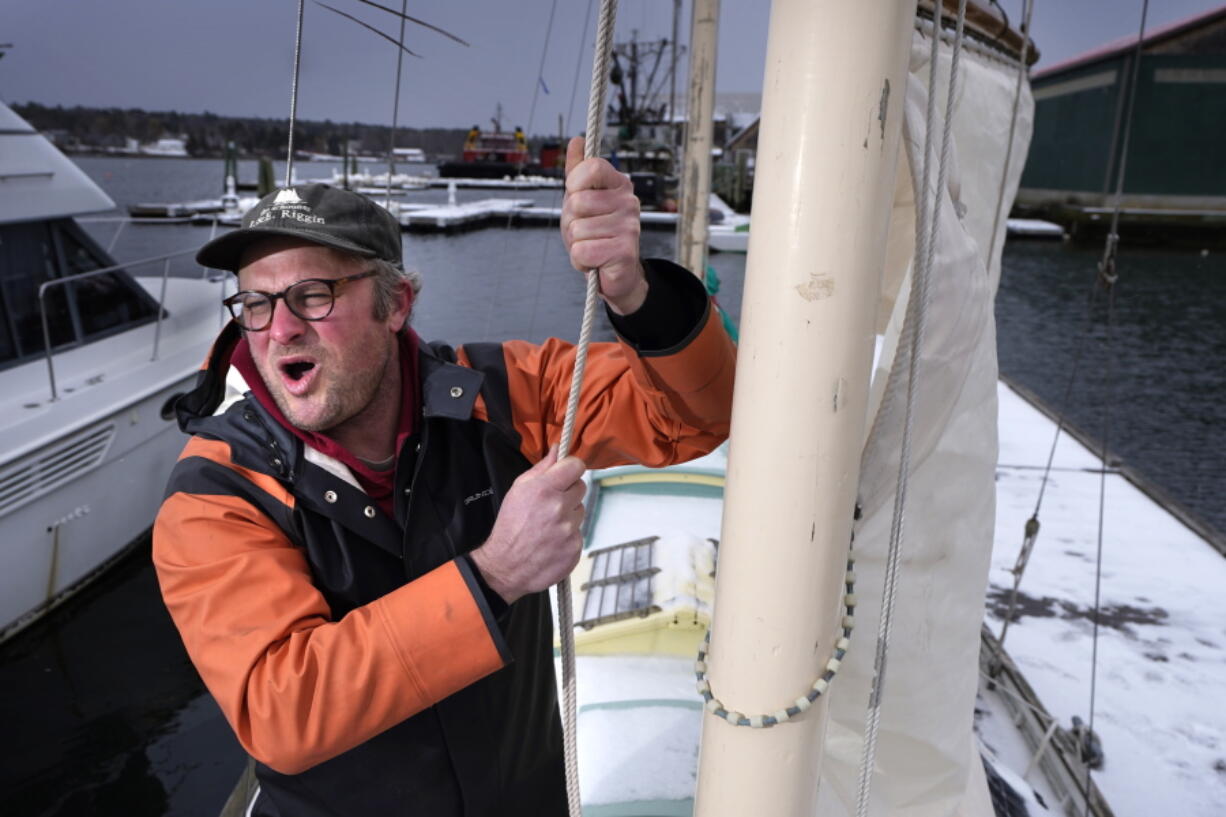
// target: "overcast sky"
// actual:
[[234, 57]]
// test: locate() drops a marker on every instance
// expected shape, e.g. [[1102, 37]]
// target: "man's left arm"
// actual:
[[642, 400], [663, 394]]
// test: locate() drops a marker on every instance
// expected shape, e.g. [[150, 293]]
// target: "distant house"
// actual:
[[409, 154], [1176, 153], [167, 146]]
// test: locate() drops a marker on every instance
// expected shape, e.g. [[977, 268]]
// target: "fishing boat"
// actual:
[[92, 358], [490, 154], [643, 125]]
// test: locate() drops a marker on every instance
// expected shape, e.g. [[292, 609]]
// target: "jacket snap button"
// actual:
[[457, 391], [370, 511], [329, 496]]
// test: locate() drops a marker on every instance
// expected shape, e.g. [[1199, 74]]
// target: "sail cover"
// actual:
[[927, 759]]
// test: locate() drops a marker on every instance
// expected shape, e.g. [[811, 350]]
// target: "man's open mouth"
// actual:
[[297, 374], [296, 369]]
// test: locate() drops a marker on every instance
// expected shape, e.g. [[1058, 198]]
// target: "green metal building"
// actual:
[[1175, 171]]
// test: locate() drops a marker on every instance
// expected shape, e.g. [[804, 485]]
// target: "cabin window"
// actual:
[[27, 259], [106, 302], [35, 252], [620, 585]]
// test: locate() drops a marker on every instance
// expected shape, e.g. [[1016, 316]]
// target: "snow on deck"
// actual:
[[1161, 686]]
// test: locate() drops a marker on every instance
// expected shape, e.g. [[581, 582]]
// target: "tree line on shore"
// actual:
[[206, 134]]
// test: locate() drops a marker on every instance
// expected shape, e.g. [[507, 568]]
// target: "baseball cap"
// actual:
[[316, 213]]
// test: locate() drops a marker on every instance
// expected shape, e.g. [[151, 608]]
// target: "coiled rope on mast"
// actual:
[[566, 624]]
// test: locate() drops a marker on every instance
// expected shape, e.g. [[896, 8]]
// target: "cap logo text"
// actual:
[[287, 206]]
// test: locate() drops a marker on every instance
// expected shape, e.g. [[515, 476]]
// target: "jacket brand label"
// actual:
[[487, 492]]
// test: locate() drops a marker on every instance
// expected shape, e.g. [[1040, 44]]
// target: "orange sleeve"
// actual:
[[654, 409], [297, 687]]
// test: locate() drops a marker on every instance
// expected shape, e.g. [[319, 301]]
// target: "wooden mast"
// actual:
[[827, 156], [695, 179]]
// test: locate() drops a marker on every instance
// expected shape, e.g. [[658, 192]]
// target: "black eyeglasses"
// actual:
[[311, 300]]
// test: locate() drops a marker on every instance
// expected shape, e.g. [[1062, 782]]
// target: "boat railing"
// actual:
[[165, 258]]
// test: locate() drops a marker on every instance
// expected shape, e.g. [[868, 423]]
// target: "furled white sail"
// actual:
[[927, 761]]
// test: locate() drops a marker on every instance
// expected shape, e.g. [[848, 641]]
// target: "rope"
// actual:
[[927, 221], [293, 98], [391, 138], [566, 625], [818, 688]]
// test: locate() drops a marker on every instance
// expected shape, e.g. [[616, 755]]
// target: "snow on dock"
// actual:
[[505, 183], [1161, 678], [417, 217], [1033, 228]]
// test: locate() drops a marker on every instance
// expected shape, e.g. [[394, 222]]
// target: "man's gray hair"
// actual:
[[388, 279]]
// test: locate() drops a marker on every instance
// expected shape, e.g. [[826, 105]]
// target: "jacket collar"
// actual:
[[448, 391]]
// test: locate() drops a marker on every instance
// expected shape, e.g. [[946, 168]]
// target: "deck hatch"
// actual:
[[54, 467], [620, 584]]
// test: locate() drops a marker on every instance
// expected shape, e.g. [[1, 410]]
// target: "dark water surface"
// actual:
[[1157, 376], [102, 711]]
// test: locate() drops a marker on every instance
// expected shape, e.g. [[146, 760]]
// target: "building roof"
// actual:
[[1124, 44]]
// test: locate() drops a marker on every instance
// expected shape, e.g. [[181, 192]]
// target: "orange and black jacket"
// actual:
[[357, 656]]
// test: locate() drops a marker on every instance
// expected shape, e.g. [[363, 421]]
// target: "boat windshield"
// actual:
[[32, 253]]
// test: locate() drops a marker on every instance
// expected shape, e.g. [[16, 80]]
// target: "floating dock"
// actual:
[[1033, 228], [436, 218], [511, 183]]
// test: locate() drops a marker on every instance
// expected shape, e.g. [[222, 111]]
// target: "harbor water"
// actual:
[[104, 713]]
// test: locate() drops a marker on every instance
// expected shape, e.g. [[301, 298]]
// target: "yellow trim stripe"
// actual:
[[644, 479]]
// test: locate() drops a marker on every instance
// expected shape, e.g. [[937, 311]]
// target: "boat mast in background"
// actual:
[[822, 207], [699, 129]]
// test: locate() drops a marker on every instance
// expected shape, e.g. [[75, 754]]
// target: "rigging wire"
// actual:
[[557, 195], [570, 106], [1031, 530], [1104, 279], [391, 138], [927, 222], [1108, 277], [540, 71], [1022, 71], [566, 626], [293, 98], [1098, 556]]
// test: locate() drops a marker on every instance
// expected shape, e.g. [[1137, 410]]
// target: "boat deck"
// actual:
[[1162, 621]]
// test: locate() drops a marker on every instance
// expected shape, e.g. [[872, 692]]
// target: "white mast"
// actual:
[[827, 154], [695, 180]]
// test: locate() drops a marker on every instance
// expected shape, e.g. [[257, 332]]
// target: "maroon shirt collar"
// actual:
[[378, 484]]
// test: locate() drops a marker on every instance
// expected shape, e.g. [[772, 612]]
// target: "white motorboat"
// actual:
[[91, 357]]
